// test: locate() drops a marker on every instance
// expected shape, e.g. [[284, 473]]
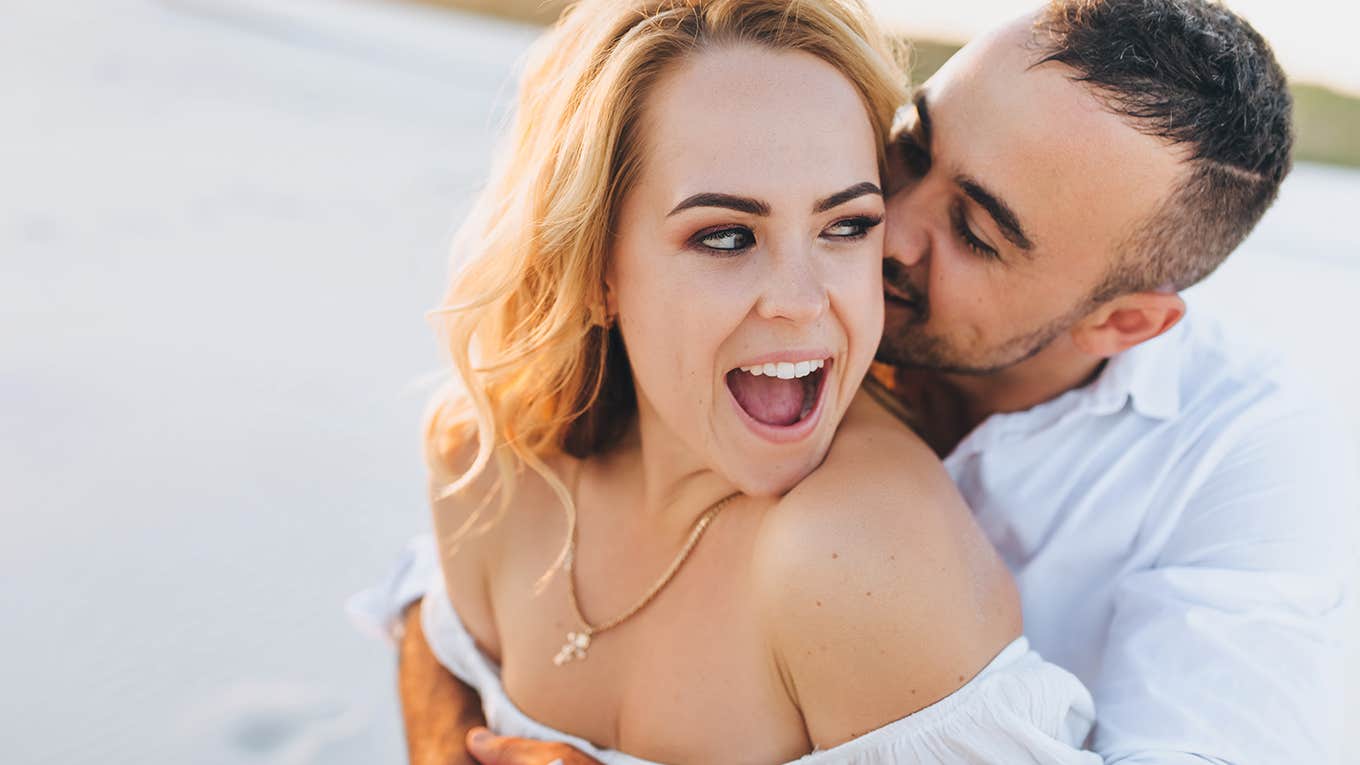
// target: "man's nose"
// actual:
[[905, 238], [794, 289]]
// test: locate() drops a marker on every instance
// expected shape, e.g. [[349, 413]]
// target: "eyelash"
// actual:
[[864, 223], [970, 239], [703, 236], [918, 162]]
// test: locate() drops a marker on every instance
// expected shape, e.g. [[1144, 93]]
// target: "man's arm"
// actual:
[[1230, 649], [443, 716], [437, 708]]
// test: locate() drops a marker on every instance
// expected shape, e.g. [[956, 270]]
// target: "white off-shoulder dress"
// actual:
[[1019, 709]]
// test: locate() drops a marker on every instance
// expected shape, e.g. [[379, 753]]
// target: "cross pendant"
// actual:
[[575, 648]]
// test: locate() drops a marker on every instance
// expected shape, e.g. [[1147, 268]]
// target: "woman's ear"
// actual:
[[611, 303], [1126, 321]]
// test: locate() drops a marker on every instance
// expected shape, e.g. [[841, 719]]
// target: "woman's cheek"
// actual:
[[862, 301], [675, 319]]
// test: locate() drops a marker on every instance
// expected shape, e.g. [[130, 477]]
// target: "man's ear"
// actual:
[[1126, 321]]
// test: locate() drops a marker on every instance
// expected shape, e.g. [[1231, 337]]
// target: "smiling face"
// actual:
[[1013, 191], [745, 271]]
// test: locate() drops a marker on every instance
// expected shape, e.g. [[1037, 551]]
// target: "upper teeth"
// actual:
[[786, 370]]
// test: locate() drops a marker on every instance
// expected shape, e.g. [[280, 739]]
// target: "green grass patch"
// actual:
[[1328, 124], [1327, 121]]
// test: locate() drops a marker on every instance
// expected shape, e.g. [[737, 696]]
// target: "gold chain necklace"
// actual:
[[579, 642]]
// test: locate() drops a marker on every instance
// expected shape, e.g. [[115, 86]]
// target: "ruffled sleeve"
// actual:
[[1020, 709], [377, 610]]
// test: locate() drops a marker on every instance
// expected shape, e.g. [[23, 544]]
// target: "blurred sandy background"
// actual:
[[220, 222]]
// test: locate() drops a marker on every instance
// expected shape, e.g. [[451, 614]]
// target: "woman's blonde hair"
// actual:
[[541, 371]]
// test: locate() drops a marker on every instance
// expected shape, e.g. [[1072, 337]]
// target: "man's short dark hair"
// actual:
[[1193, 73]]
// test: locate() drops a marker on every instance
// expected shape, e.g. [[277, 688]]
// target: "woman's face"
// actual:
[[746, 271]]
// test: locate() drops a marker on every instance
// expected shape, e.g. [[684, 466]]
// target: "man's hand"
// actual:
[[438, 710], [490, 749]]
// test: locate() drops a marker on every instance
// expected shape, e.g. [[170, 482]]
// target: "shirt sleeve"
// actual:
[[1230, 649], [377, 610]]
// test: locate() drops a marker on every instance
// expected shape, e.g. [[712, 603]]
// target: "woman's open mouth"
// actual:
[[781, 400]]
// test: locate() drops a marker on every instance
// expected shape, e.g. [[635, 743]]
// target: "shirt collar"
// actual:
[[1148, 375]]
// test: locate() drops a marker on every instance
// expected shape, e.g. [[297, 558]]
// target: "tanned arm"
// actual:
[[437, 708], [439, 712]]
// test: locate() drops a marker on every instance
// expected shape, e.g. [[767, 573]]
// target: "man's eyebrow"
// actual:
[[841, 197], [729, 201], [923, 118], [1001, 213]]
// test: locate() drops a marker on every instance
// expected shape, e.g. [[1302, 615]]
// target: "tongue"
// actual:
[[769, 400]]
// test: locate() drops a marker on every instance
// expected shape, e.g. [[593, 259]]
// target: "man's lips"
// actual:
[[898, 288], [893, 294], [907, 301]]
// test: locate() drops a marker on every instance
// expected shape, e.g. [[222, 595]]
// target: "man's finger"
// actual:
[[490, 749]]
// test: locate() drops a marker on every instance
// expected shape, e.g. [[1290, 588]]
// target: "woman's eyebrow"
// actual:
[[758, 207], [841, 197], [729, 201]]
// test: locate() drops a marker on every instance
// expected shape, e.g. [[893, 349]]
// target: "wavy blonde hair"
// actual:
[[540, 371]]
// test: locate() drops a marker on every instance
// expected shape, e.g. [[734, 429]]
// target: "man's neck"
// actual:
[[1023, 386], [952, 405]]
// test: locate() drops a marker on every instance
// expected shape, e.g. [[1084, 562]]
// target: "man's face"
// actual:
[[1012, 193]]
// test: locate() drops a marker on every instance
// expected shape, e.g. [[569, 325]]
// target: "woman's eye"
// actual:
[[852, 228], [727, 239]]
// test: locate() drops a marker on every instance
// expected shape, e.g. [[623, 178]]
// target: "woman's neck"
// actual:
[[654, 475]]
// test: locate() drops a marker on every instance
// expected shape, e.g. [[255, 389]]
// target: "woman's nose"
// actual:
[[794, 289]]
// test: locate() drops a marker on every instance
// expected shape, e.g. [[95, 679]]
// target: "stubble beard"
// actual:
[[909, 345]]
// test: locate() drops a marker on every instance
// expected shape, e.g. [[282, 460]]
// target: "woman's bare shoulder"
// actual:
[[876, 461], [880, 592], [473, 526], [496, 492]]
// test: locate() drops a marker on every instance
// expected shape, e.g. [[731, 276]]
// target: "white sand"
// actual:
[[219, 225]]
